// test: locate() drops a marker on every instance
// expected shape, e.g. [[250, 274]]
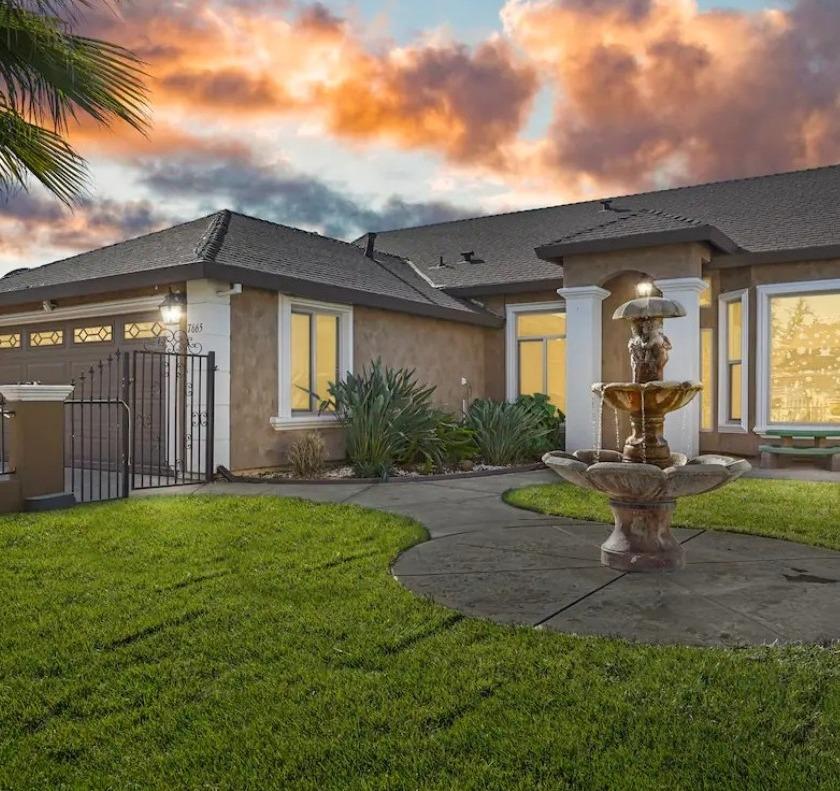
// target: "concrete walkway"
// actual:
[[490, 560]]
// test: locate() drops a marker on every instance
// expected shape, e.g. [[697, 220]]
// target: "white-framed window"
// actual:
[[315, 347], [536, 351], [733, 361], [798, 372]]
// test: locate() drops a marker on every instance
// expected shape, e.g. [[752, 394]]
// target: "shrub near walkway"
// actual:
[[793, 510], [262, 643]]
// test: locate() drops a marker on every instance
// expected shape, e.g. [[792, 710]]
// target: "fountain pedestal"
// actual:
[[641, 539]]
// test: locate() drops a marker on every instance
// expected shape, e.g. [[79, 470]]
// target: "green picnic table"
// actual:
[[826, 446]]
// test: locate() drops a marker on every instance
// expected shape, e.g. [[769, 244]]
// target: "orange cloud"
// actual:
[[654, 92], [250, 63], [648, 93]]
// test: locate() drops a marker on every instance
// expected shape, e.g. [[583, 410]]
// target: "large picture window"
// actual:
[[537, 352], [732, 361], [804, 347]]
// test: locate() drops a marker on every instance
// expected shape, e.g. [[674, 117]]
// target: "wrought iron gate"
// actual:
[[141, 419], [172, 410]]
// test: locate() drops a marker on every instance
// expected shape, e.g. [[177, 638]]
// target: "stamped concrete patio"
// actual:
[[490, 560]]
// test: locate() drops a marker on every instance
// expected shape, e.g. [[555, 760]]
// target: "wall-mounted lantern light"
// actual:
[[172, 307]]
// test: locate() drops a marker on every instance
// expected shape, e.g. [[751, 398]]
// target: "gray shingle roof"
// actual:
[[231, 245], [174, 246], [787, 211]]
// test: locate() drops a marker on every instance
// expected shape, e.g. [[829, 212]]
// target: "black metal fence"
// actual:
[[98, 431], [138, 420]]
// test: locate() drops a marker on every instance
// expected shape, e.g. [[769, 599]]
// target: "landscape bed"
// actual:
[[261, 642]]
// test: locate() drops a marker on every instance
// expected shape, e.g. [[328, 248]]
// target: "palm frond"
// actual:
[[48, 73], [26, 148]]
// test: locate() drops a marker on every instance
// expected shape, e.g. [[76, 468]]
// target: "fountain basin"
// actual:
[[647, 403], [642, 498]]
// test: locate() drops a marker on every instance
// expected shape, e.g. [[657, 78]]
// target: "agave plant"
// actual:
[[388, 418], [506, 433]]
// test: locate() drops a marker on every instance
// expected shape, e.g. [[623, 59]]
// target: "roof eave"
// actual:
[[512, 287], [333, 293], [103, 285], [790, 255], [696, 233]]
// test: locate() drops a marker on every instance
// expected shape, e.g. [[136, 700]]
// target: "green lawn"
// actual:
[[260, 643], [793, 510]]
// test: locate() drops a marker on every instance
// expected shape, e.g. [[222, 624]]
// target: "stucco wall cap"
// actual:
[[35, 392]]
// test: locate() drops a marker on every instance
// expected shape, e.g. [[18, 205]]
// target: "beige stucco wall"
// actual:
[[662, 262], [441, 351]]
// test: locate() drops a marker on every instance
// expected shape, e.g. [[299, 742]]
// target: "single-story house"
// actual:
[[490, 307]]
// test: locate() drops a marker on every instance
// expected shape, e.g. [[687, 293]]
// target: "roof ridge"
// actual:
[[316, 234], [683, 218], [624, 196], [211, 240], [625, 215]]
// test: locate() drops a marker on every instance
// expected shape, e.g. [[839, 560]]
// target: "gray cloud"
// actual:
[[283, 195]]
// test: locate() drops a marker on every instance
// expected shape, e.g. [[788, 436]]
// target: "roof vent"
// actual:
[[606, 205], [470, 257], [369, 245]]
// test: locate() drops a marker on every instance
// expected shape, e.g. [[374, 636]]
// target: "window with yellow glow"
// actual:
[[10, 341], [98, 334], [314, 358], [707, 373], [805, 359], [706, 293], [733, 359], [46, 338], [541, 360]]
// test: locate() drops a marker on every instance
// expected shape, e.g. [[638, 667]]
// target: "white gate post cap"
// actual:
[[35, 392]]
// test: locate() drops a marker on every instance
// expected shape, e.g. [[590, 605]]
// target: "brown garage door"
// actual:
[[84, 352], [59, 352]]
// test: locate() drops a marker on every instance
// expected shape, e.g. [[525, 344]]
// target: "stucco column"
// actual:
[[208, 323], [682, 428], [583, 360], [36, 444]]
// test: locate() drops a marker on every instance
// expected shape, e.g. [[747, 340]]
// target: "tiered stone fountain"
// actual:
[[644, 481]]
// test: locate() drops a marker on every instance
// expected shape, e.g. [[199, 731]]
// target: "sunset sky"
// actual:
[[350, 116]]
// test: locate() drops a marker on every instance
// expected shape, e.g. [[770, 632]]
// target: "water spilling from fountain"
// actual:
[[644, 480]]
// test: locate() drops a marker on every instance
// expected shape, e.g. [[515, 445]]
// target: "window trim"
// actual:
[[512, 342], [286, 417], [764, 294], [725, 424]]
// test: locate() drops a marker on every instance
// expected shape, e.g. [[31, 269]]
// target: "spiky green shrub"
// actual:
[[388, 418], [505, 433], [551, 419]]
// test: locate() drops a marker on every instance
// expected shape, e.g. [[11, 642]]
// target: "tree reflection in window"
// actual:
[[805, 359]]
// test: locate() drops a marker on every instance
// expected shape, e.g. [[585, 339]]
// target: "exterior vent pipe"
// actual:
[[369, 245]]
